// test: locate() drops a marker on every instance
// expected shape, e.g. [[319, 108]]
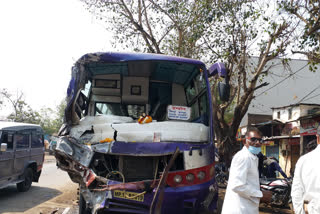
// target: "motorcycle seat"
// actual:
[[266, 181]]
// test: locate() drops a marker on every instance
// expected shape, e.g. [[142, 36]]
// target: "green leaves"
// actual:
[[50, 120], [306, 15]]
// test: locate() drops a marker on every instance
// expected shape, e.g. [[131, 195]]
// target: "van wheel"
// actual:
[[26, 184]]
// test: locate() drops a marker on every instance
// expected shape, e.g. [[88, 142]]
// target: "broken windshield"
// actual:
[[118, 109]]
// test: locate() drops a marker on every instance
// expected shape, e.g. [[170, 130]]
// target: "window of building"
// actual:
[[290, 113], [278, 114]]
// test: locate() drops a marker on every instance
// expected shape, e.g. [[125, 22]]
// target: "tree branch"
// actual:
[[144, 34]]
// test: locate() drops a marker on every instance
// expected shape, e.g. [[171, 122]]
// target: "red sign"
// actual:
[[294, 141], [309, 126]]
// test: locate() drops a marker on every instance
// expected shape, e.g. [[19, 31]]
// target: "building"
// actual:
[[288, 135], [308, 128], [289, 85]]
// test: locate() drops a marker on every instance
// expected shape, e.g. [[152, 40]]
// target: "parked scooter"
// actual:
[[221, 175], [280, 188]]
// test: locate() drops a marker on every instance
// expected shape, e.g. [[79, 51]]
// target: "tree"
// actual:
[[22, 112], [52, 120], [307, 13], [229, 31], [155, 26]]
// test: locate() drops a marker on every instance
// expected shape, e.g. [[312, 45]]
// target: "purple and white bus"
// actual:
[[138, 134]]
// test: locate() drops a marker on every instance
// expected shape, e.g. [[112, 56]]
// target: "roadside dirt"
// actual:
[[67, 199], [57, 205]]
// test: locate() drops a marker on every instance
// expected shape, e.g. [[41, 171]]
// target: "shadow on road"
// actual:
[[13, 201]]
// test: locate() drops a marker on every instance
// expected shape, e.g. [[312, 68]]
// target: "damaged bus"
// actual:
[[138, 134]]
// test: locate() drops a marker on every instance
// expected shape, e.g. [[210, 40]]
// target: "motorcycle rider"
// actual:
[[272, 167], [306, 182]]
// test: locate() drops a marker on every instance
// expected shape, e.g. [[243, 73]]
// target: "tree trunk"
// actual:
[[227, 144]]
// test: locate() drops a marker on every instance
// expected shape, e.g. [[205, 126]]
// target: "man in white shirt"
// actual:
[[306, 182], [243, 191]]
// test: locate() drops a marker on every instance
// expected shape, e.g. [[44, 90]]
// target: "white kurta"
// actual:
[[306, 183], [243, 191]]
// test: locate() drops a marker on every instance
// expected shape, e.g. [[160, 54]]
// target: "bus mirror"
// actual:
[[224, 90], [3, 147], [223, 87], [217, 68]]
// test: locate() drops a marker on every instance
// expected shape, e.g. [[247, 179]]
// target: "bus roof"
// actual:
[[110, 57]]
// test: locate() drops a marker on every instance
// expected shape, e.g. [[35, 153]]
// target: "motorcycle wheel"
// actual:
[[221, 181], [279, 201]]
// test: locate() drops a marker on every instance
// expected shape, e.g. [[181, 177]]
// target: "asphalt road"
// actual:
[[55, 193]]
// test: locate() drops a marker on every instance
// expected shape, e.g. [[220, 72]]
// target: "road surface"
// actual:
[[54, 193], [57, 194]]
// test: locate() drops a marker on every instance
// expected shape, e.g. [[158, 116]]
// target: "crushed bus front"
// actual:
[[138, 134]]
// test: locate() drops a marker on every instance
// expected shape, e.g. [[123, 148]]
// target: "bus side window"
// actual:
[[22, 140], [194, 111], [203, 104], [7, 137], [191, 92]]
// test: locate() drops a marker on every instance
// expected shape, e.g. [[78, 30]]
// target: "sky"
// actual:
[[40, 40]]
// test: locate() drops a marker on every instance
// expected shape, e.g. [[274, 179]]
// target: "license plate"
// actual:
[[128, 195]]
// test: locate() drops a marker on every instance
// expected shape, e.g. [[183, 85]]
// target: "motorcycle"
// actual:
[[221, 175], [280, 188]]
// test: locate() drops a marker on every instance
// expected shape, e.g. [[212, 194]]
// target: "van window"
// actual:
[[7, 137], [22, 141], [36, 140]]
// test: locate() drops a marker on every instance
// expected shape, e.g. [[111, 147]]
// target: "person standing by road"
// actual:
[[306, 182], [272, 167], [243, 191]]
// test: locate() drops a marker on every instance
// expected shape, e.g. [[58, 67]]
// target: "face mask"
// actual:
[[254, 150]]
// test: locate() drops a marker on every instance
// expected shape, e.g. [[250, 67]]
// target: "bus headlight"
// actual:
[[177, 178], [201, 175], [190, 177]]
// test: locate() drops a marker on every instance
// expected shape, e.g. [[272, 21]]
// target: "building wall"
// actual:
[[289, 153], [258, 118], [305, 109], [284, 114]]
